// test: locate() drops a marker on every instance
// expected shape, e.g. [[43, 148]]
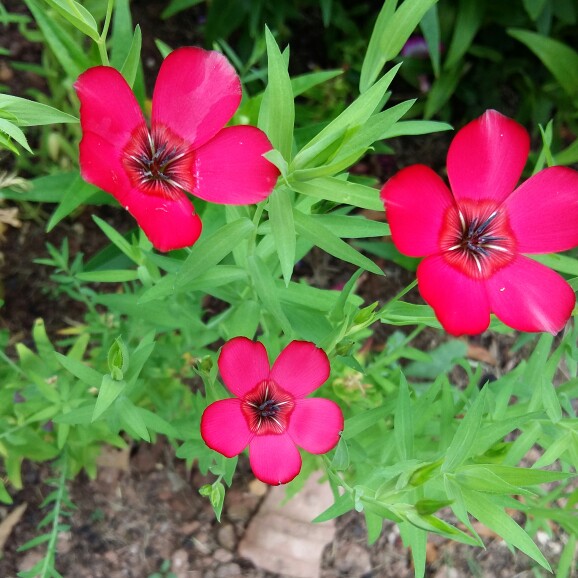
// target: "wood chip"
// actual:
[[8, 523]]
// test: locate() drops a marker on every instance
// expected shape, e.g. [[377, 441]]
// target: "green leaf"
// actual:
[[217, 498], [108, 276], [29, 113], [312, 230], [280, 208], [67, 50], [109, 390], [211, 250], [77, 15], [122, 33], [493, 516], [76, 194], [466, 434], [392, 30], [340, 191], [133, 253], [131, 65], [5, 497], [86, 374], [264, 285], [351, 119], [561, 263], [559, 59], [340, 459], [403, 421], [15, 133], [118, 359], [469, 19], [131, 418], [342, 505], [277, 112]]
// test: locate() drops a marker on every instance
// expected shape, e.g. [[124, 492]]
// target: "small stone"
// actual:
[[180, 563], [446, 572], [258, 488], [226, 537], [221, 555], [355, 561], [228, 571]]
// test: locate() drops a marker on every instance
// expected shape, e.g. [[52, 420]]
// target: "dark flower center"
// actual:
[[476, 238], [159, 162], [267, 408]]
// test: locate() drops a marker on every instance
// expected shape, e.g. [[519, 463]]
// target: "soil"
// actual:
[[143, 513]]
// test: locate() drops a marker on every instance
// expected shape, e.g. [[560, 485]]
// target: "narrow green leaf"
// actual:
[[108, 276], [265, 288], [217, 498], [493, 516], [403, 421], [416, 539], [277, 113], [212, 249], [77, 15], [342, 505], [109, 390], [324, 239], [15, 133], [392, 30], [131, 418], [466, 434], [29, 113], [340, 191], [280, 208], [122, 33], [469, 19], [86, 374], [558, 58], [130, 66], [133, 253], [430, 27], [76, 194]]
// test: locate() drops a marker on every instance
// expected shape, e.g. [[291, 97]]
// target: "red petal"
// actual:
[[416, 200], [196, 94], [487, 156], [530, 297], [543, 211], [231, 170], [315, 424], [224, 427], [168, 223], [109, 113], [243, 365], [459, 301], [301, 368], [274, 459]]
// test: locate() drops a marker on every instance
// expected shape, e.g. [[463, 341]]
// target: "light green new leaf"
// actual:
[[340, 191], [77, 15], [109, 390], [29, 113], [493, 516], [280, 208], [212, 249], [312, 230], [391, 32], [466, 434], [559, 59], [277, 112]]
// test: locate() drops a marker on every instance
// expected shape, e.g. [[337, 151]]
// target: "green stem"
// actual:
[[101, 42], [397, 298]]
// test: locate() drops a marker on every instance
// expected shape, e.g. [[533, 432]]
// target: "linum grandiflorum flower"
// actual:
[[474, 237], [186, 149], [271, 414]]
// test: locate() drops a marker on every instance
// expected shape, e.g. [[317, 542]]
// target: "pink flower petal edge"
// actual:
[[416, 200], [530, 297], [274, 459], [230, 169], [196, 94], [243, 364], [224, 428], [543, 211], [301, 368], [486, 157], [460, 302], [316, 424]]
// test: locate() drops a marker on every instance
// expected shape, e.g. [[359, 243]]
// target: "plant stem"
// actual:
[[101, 42]]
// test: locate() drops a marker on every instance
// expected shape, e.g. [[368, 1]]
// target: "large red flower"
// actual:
[[474, 237], [271, 414], [186, 149]]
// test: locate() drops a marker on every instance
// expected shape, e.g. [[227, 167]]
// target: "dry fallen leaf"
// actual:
[[9, 522]]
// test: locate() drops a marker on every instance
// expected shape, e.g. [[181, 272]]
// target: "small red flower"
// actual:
[[474, 237], [186, 149], [271, 414]]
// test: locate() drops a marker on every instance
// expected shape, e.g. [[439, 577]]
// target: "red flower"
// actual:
[[186, 149], [270, 413], [474, 236]]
